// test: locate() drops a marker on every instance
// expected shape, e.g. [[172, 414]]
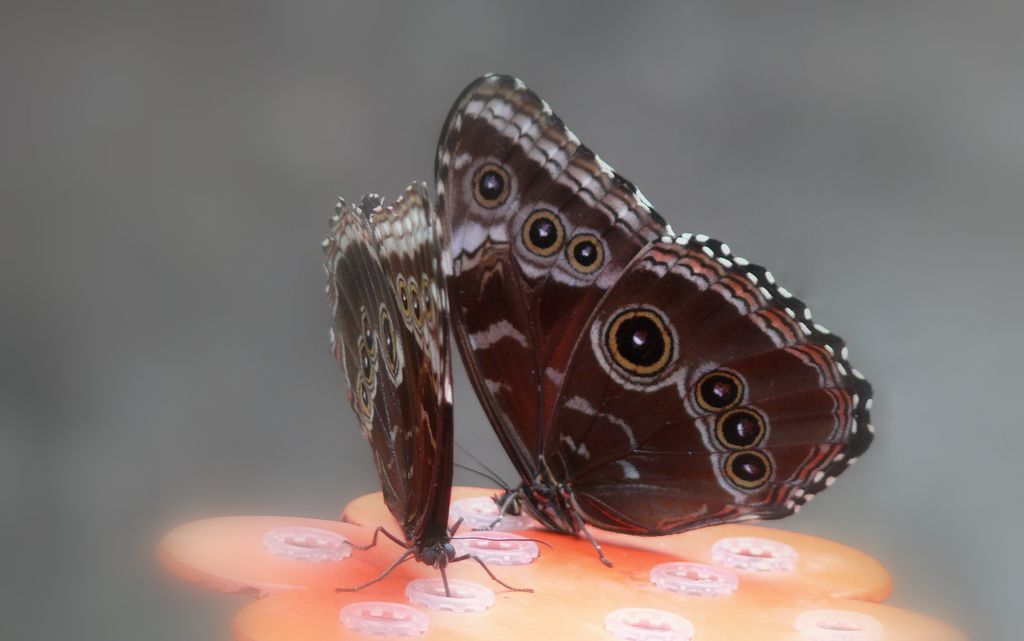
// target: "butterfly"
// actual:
[[641, 381], [386, 291]]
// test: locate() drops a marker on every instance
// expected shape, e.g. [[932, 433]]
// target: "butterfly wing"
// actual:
[[702, 392], [553, 253], [389, 330], [538, 228]]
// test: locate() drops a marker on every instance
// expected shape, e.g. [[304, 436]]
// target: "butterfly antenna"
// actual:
[[494, 475], [391, 568], [525, 538], [490, 574], [492, 479]]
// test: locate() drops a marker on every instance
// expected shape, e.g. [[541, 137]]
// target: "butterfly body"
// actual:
[[641, 381]]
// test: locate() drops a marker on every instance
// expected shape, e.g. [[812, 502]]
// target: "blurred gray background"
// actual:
[[167, 174]]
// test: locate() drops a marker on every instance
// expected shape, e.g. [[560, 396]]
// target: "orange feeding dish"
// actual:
[[720, 583]]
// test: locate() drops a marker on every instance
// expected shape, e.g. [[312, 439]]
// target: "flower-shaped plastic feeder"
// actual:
[[774, 558], [662, 589]]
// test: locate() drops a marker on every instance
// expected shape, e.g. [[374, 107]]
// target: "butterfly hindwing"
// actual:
[[704, 393], [386, 290]]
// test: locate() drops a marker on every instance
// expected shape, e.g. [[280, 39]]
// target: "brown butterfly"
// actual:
[[390, 332], [641, 381]]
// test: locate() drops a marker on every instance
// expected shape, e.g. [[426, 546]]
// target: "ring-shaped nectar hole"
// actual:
[[312, 544], [465, 596], [694, 579], [497, 548], [648, 624], [482, 513], [543, 233], [839, 625], [755, 554], [384, 618]]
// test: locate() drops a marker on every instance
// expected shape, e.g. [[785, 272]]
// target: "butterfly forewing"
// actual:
[[386, 289], [667, 383], [538, 227]]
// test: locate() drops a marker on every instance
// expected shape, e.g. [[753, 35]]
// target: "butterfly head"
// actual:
[[436, 555]]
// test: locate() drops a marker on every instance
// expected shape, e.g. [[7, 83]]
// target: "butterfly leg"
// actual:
[[373, 541], [399, 561], [489, 573], [503, 507], [444, 580], [574, 509]]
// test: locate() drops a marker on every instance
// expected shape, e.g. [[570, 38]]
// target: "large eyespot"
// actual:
[[415, 304], [639, 342], [426, 292], [543, 233], [403, 295], [718, 390], [491, 186], [740, 428], [389, 345], [585, 253], [748, 469]]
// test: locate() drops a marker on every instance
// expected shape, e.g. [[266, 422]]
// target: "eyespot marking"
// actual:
[[543, 233], [639, 342], [403, 295], [740, 428], [585, 253], [389, 346], [718, 390], [491, 186], [748, 469]]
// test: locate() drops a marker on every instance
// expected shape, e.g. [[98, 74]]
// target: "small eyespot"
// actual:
[[718, 390], [364, 398], [426, 292], [585, 253], [748, 469], [543, 233], [639, 342], [389, 344], [491, 186], [365, 360], [403, 295], [415, 305], [740, 428], [368, 337]]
